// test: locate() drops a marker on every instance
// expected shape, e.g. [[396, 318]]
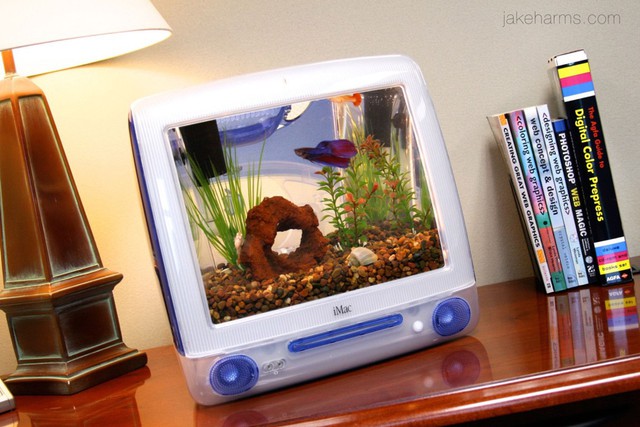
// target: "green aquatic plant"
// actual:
[[224, 203], [382, 165], [376, 187], [395, 183], [373, 189], [346, 206], [361, 192], [362, 170], [424, 213], [361, 176], [334, 204]]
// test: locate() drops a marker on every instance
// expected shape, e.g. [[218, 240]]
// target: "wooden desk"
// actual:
[[511, 367]]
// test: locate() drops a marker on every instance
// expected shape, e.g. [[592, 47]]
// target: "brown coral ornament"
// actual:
[[263, 222]]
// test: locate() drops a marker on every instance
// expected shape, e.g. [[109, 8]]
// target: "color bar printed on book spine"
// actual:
[[576, 82], [612, 256]]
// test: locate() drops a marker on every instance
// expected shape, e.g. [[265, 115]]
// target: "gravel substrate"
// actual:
[[233, 294]]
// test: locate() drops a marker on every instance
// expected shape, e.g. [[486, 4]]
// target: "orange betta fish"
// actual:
[[356, 99]]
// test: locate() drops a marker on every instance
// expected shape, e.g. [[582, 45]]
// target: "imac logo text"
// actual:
[[340, 310]]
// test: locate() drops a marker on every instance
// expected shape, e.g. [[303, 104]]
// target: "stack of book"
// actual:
[[561, 179]]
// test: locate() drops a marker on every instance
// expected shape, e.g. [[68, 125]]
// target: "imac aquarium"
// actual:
[[304, 201], [303, 221]]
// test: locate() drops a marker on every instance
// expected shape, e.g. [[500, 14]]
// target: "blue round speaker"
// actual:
[[233, 375], [451, 316]]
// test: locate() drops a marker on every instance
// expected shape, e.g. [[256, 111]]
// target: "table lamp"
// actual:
[[56, 294]]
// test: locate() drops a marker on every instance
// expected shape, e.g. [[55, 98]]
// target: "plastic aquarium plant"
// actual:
[[222, 213], [334, 204], [347, 205], [397, 194], [374, 189], [424, 215]]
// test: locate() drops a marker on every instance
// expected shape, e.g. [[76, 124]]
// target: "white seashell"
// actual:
[[362, 256]]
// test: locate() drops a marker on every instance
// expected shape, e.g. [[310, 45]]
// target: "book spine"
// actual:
[[575, 86], [541, 155], [574, 188], [564, 199], [504, 139], [520, 134]]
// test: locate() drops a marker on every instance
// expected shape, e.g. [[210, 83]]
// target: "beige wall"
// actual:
[[473, 64]]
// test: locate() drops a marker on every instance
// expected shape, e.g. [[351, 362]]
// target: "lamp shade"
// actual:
[[49, 35]]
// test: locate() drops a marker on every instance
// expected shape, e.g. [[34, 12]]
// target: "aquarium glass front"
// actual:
[[300, 202]]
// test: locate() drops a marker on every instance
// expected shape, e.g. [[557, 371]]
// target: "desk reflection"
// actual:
[[9, 419], [91, 407], [591, 324], [459, 363]]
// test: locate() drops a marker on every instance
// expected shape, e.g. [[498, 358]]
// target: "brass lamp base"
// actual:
[[57, 295], [67, 337]]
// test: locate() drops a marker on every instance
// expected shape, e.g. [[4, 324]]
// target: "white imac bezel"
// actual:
[[195, 335]]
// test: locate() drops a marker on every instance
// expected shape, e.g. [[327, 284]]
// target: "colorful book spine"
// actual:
[[572, 75], [564, 199], [504, 139], [534, 126], [574, 188], [518, 125]]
